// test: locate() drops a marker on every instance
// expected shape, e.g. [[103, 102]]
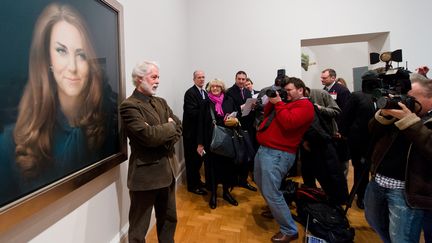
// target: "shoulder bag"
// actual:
[[222, 139]]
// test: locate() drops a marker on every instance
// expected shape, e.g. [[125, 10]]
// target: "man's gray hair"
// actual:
[[423, 81], [141, 69]]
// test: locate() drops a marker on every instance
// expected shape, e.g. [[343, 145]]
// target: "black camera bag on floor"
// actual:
[[325, 221]]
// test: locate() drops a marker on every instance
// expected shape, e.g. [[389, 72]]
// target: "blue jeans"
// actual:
[[389, 215], [271, 167]]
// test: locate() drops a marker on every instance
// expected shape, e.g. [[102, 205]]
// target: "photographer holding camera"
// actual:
[[279, 135], [401, 186]]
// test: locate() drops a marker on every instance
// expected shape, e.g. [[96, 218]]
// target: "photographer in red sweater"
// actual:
[[287, 116]]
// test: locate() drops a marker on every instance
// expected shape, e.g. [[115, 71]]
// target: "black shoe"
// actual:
[[213, 201], [202, 184], [229, 198], [360, 203], [198, 191], [248, 186]]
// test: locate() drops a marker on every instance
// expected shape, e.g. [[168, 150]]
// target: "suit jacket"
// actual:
[[329, 108], [342, 94], [191, 108], [355, 118], [152, 139], [234, 92]]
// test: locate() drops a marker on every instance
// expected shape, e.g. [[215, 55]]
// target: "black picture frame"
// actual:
[[104, 20]]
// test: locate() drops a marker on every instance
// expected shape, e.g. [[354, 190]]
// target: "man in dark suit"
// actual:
[[341, 95], [193, 100], [354, 127], [338, 92], [152, 129], [239, 94]]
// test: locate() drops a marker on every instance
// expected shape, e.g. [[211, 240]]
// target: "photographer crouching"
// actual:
[[287, 116], [401, 166]]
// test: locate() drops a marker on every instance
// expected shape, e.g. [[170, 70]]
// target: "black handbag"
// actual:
[[239, 147], [222, 139], [243, 146]]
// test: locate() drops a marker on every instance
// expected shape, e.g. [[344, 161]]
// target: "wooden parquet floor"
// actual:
[[197, 223]]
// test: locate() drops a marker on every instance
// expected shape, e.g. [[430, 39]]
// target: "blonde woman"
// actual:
[[219, 169]]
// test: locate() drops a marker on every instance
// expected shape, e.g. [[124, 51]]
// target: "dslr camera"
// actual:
[[388, 86], [280, 83]]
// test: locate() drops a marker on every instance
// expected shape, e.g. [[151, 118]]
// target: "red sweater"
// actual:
[[288, 126]]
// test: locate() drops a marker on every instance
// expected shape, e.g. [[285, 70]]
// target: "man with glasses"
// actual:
[[279, 135], [401, 184]]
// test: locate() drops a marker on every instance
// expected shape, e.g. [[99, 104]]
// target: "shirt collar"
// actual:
[[330, 86], [199, 88], [141, 96]]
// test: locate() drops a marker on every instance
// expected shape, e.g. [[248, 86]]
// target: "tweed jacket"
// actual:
[[329, 108], [152, 139], [418, 174]]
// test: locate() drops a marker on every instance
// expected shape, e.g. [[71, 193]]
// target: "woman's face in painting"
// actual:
[[68, 59]]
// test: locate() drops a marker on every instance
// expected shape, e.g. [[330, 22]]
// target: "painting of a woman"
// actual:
[[63, 119]]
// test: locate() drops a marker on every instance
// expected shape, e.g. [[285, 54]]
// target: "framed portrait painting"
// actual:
[[61, 80]]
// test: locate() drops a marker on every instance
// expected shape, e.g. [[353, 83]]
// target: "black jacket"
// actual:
[[247, 122]]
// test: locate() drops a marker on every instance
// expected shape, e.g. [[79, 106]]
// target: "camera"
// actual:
[[280, 83], [388, 86], [392, 102]]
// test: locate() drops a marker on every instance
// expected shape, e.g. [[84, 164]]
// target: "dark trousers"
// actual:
[[323, 164], [193, 164], [247, 165], [360, 165], [142, 203]]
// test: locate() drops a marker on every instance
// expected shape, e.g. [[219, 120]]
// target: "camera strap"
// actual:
[[268, 121]]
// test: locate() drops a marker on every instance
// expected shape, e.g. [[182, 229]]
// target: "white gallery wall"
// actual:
[[340, 57], [262, 36], [220, 37]]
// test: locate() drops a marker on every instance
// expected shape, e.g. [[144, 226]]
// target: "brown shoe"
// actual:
[[281, 238]]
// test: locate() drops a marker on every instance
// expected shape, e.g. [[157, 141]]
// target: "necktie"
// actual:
[[242, 93], [202, 94]]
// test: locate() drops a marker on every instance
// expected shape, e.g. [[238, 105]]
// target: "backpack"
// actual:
[[310, 194], [323, 219], [326, 221], [294, 192]]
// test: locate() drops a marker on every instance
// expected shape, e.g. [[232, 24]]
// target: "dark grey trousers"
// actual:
[[142, 203]]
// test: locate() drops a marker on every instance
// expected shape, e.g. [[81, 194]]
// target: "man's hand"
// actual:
[[423, 70], [200, 150], [276, 99], [399, 114]]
